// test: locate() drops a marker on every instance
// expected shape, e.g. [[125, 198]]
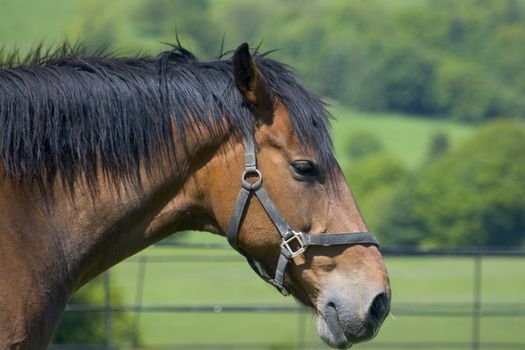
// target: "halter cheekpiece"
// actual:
[[293, 243]]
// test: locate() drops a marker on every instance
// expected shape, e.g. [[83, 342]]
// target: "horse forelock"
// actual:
[[72, 113]]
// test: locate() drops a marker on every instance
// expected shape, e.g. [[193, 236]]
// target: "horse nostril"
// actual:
[[377, 312]]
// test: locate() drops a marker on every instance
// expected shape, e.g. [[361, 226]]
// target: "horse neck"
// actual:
[[50, 249], [82, 235], [47, 253]]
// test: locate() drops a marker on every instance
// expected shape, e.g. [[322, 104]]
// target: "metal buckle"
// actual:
[[251, 186], [301, 242]]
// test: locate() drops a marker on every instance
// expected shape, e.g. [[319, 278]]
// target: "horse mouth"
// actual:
[[331, 330], [340, 326]]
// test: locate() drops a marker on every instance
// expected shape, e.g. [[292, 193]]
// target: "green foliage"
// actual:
[[375, 180], [428, 57], [462, 59], [439, 144], [397, 78], [362, 143], [404, 137], [88, 327], [470, 195], [475, 195], [464, 91], [189, 20], [396, 224], [98, 26], [375, 171]]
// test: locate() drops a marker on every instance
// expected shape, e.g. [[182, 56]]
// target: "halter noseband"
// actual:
[[293, 243]]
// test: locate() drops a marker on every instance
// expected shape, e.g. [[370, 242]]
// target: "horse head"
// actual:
[[343, 279]]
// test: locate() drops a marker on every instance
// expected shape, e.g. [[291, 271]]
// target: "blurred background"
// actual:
[[428, 106]]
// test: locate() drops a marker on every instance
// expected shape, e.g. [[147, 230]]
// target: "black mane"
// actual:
[[70, 113]]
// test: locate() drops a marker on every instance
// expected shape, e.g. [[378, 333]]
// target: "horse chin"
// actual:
[[331, 332]]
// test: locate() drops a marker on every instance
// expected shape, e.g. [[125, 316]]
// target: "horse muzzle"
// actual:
[[348, 319]]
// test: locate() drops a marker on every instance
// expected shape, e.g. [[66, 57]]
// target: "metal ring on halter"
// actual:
[[251, 186]]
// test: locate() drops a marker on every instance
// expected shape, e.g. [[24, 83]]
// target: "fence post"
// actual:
[[476, 302], [300, 344], [107, 312], [139, 292]]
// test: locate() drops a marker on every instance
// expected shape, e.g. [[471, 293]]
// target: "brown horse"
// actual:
[[103, 156]]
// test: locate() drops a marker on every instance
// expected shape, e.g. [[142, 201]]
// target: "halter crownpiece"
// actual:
[[293, 243]]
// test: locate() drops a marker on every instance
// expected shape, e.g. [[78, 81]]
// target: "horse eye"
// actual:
[[305, 168]]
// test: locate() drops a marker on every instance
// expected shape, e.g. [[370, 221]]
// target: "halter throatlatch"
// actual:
[[293, 243]]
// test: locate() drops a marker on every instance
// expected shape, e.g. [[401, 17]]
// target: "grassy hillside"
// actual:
[[405, 137]]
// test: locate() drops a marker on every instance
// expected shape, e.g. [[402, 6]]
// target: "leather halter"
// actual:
[[293, 243]]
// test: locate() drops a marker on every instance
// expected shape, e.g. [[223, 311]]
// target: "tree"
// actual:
[[475, 195], [439, 144], [88, 327], [189, 20], [397, 224], [375, 180]]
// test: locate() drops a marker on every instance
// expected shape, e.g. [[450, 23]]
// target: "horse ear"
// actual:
[[252, 84]]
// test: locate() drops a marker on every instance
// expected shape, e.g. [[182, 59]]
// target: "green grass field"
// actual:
[[414, 280], [404, 137]]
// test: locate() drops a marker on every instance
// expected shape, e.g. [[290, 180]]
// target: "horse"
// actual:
[[103, 155]]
